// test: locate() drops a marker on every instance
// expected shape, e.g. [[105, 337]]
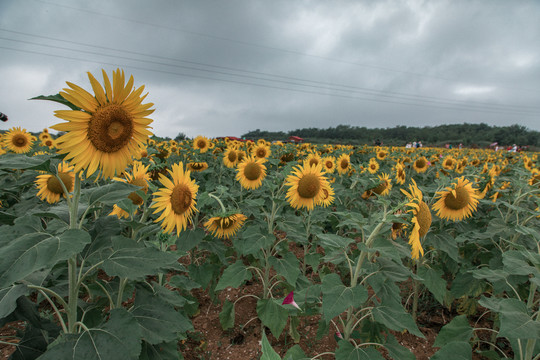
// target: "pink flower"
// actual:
[[289, 300], [338, 334]]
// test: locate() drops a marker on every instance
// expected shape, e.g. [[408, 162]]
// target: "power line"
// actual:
[[404, 97], [251, 44], [257, 84], [326, 84]]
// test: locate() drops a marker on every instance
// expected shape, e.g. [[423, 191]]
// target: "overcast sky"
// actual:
[[223, 68]]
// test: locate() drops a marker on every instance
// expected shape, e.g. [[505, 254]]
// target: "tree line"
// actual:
[[470, 135]]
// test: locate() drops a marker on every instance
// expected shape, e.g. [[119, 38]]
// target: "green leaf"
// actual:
[[393, 270], [252, 240], [396, 350], [294, 321], [516, 323], [455, 350], [347, 351], [287, 266], [36, 251], [104, 342], [189, 239], [434, 282], [338, 298], [233, 276], [163, 351], [392, 315], [466, 285], [109, 194], [137, 262], [8, 298], [272, 315], [295, 353], [515, 263], [268, 353], [333, 241], [226, 316], [20, 161], [456, 330], [183, 282], [446, 243], [158, 321], [56, 98]]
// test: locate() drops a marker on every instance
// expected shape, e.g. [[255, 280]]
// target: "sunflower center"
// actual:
[[110, 128], [19, 140], [54, 186], [252, 171], [424, 219], [201, 144], [197, 166], [329, 164], [344, 164], [420, 163], [261, 153], [134, 197], [225, 223], [313, 162], [309, 186], [232, 156], [181, 199], [458, 202], [380, 188]]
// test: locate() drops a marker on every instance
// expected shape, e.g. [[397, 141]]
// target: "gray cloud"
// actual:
[[280, 65]]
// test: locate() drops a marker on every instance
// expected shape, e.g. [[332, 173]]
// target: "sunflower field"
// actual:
[[109, 233]]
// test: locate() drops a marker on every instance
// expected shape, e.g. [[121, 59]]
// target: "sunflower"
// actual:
[[457, 201], [230, 158], [328, 196], [535, 178], [400, 174], [18, 140], [421, 164], [313, 159], [384, 187], [306, 184], [528, 163], [138, 177], [176, 200], [343, 164], [329, 164], [421, 219], [373, 166], [197, 166], [201, 143], [449, 162], [226, 226], [381, 154], [50, 143], [251, 172], [287, 157], [109, 129], [261, 151], [50, 188], [44, 136]]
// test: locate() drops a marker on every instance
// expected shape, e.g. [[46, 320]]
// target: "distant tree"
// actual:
[[181, 136]]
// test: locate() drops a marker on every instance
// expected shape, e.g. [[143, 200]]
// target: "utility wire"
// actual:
[[251, 44], [258, 84], [327, 85]]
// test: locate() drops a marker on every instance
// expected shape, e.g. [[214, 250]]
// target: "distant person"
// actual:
[[408, 146], [414, 144], [447, 146], [460, 146], [419, 144], [3, 117], [378, 142]]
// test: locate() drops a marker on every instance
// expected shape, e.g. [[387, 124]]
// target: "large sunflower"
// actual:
[[457, 201], [225, 226], [201, 143], [176, 200], [251, 172], [306, 186], [110, 128], [50, 188], [421, 219], [18, 140]]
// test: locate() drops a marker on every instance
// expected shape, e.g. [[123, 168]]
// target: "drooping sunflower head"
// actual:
[[230, 157], [343, 164], [197, 166], [421, 218], [306, 184], [201, 143], [251, 172], [400, 174], [225, 226], [18, 140], [421, 164], [49, 186], [176, 200], [373, 166], [110, 127], [457, 201], [328, 196]]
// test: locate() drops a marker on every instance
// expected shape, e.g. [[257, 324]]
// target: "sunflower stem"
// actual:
[[73, 280], [219, 201]]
